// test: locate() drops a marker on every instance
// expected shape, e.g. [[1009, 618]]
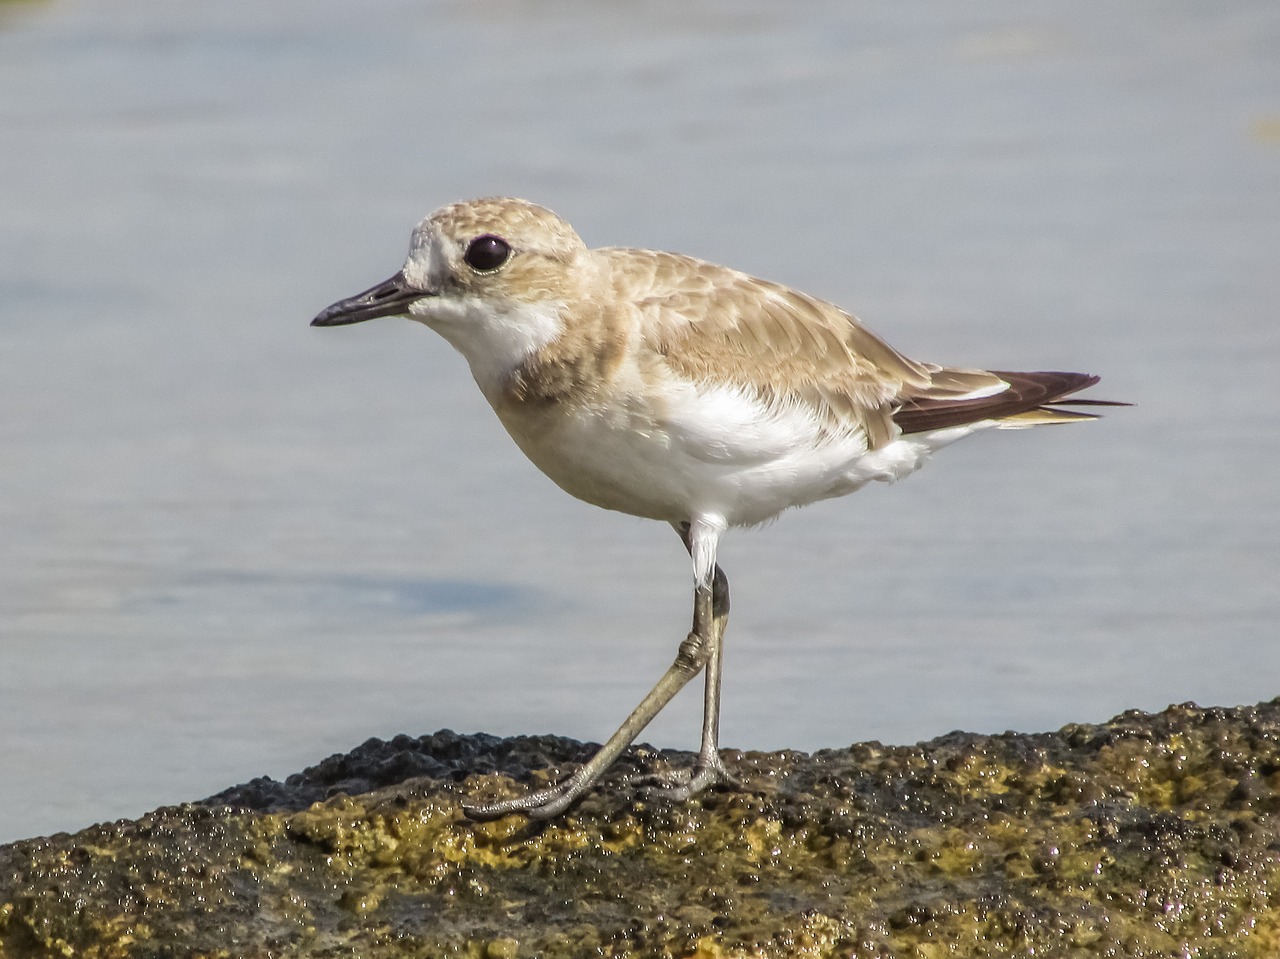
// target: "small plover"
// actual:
[[667, 387]]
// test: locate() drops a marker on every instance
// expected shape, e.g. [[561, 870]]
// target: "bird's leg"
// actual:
[[698, 648], [708, 768]]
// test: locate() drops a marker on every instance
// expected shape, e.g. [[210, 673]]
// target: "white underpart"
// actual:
[[753, 459], [711, 456], [494, 338], [704, 537]]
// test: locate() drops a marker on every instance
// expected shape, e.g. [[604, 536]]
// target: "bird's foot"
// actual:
[[540, 804], [681, 785], [551, 801]]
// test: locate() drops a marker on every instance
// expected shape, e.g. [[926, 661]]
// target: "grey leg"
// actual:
[[709, 768], [700, 647]]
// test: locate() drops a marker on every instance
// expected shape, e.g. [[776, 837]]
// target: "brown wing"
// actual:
[[715, 324], [1029, 400], [719, 325]]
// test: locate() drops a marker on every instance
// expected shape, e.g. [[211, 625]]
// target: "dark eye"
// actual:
[[487, 253]]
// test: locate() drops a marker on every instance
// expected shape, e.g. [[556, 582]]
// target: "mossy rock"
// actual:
[[1151, 835]]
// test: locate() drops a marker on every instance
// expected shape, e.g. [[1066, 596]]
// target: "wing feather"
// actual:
[[715, 324], [1028, 399]]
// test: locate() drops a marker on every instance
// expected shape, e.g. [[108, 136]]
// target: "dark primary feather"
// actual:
[[1028, 393]]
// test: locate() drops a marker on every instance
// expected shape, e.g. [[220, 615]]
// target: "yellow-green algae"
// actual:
[[1152, 835]]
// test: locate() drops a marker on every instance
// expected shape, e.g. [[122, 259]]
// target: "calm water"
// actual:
[[230, 544]]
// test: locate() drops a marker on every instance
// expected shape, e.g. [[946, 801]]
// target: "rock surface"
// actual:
[[1150, 835]]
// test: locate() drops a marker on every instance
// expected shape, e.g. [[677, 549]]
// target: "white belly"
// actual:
[[710, 452]]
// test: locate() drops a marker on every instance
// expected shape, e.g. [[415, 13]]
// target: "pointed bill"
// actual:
[[391, 297]]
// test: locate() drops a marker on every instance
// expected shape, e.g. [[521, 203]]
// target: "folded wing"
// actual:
[[719, 326]]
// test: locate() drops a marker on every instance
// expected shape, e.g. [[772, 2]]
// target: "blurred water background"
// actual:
[[230, 544]]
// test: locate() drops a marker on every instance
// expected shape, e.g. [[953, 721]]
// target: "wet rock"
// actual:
[[1151, 835]]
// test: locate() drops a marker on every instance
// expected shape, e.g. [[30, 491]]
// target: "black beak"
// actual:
[[389, 298]]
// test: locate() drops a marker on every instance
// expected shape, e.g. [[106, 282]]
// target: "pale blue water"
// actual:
[[230, 544]]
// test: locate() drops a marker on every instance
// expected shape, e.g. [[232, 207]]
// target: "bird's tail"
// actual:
[[1012, 400]]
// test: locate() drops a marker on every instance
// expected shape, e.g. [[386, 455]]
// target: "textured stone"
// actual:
[[1151, 835]]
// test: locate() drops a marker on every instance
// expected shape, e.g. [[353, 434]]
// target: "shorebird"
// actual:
[[667, 387]]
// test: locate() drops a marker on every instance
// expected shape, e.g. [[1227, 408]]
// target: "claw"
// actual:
[[685, 784], [544, 803]]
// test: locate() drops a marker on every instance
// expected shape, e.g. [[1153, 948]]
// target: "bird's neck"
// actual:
[[577, 366]]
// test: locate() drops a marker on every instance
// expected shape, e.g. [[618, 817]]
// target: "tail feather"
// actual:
[[1031, 399]]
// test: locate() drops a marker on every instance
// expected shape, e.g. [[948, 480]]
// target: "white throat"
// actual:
[[494, 337]]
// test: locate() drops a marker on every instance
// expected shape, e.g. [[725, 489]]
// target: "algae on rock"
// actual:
[[1151, 835]]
